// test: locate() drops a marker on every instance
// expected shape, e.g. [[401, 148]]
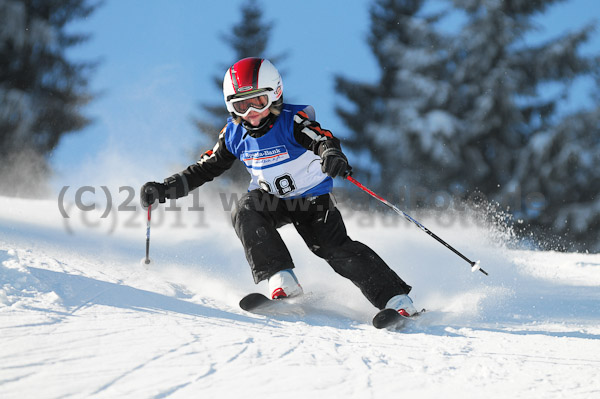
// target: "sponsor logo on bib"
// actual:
[[267, 156]]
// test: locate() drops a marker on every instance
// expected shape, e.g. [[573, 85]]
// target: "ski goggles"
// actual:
[[258, 102]]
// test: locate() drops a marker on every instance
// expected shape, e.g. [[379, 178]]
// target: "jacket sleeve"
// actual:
[[309, 134], [210, 165]]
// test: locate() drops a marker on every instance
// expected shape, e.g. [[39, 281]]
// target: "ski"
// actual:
[[260, 304], [255, 301], [392, 320]]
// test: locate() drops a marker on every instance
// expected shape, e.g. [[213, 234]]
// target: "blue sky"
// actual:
[[158, 57]]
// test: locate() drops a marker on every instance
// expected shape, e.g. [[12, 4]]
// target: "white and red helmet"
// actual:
[[251, 83]]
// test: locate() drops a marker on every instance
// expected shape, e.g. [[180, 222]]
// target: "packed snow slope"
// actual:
[[80, 317]]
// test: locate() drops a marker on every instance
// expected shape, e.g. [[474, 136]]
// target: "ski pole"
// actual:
[[474, 265], [147, 259]]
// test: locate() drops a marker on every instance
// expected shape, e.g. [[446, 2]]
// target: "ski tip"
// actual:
[[386, 318], [253, 301], [391, 319]]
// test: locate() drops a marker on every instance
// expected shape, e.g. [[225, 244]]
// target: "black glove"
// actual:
[[335, 163], [152, 191]]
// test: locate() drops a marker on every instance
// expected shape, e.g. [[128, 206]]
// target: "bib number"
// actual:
[[284, 185]]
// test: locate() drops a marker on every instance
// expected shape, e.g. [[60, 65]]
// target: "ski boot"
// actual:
[[402, 304], [284, 284]]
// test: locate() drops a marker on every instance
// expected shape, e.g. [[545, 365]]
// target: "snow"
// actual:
[[81, 317]]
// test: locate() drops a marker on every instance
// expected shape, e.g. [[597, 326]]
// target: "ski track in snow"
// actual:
[[80, 317]]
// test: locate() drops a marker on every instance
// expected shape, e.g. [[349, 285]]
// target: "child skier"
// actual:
[[279, 144]]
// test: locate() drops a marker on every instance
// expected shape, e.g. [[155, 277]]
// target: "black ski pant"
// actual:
[[259, 214]]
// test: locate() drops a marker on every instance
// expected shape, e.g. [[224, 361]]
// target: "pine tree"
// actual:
[[41, 92], [514, 140], [497, 83], [558, 171], [248, 38], [399, 124], [469, 111]]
